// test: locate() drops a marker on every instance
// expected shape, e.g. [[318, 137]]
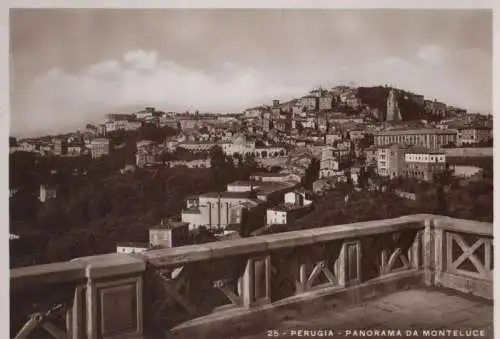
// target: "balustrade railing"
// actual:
[[117, 295]]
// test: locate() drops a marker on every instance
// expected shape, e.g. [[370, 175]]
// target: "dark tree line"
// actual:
[[97, 210]]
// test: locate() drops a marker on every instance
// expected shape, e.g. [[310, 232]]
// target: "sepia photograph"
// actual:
[[250, 173]]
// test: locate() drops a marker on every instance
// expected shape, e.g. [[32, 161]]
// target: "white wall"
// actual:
[[425, 158], [275, 217], [129, 249]]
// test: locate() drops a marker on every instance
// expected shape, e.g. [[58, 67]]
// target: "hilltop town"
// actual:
[[268, 167]]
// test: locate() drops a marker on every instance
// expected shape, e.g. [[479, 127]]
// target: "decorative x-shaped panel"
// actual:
[[316, 268], [43, 320], [387, 253], [481, 270]]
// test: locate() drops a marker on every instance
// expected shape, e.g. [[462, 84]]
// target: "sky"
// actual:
[[70, 67]]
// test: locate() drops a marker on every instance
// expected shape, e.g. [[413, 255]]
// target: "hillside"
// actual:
[[376, 97]]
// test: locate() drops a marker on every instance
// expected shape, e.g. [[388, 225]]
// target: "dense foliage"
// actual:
[[94, 211], [446, 195], [375, 97]]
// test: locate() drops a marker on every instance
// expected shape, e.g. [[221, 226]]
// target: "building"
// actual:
[[169, 234], [333, 138], [253, 113], [355, 174], [371, 156], [197, 146], [473, 135], [47, 193], [298, 197], [283, 125], [329, 164], [288, 106], [357, 135], [285, 214], [99, 147], [326, 102], [295, 205], [350, 99], [243, 147], [60, 147], [195, 163], [269, 177], [74, 150], [131, 247], [145, 157], [435, 107], [126, 122], [428, 138], [390, 160], [424, 164], [213, 210], [148, 112], [309, 102], [188, 122], [144, 144]]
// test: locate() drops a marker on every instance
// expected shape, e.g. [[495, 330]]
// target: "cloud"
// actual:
[[60, 100], [432, 54], [146, 60]]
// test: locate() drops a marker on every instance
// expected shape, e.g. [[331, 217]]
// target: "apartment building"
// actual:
[[295, 205], [309, 102], [424, 164], [99, 147], [330, 163], [428, 138], [390, 160], [325, 102], [170, 234], [473, 135]]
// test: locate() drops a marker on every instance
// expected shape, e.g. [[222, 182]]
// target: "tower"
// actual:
[[393, 112]]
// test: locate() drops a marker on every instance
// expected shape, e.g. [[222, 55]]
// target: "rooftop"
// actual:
[[133, 244], [287, 207], [169, 225], [227, 195], [191, 211], [423, 150], [241, 183], [266, 174], [415, 131]]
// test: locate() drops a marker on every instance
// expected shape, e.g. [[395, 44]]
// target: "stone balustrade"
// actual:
[[147, 294]]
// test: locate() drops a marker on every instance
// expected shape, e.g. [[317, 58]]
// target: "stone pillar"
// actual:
[[114, 296], [428, 244], [256, 283], [348, 264], [439, 255]]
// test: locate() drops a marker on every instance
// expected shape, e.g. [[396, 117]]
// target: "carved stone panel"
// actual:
[[119, 307]]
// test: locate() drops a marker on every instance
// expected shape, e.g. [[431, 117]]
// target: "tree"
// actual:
[[217, 157], [311, 174]]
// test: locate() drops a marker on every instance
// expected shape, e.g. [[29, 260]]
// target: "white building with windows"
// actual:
[[296, 204]]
